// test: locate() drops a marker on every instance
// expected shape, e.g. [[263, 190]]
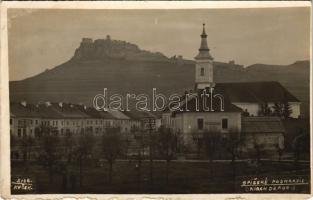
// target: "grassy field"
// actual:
[[184, 177]]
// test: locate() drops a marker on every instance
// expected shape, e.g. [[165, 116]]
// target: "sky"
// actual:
[[41, 39]]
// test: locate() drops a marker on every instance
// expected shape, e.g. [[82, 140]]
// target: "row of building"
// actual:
[[65, 118]]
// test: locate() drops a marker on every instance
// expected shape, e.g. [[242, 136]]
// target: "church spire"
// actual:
[[204, 65], [204, 49]]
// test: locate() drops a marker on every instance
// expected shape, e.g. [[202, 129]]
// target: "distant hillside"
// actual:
[[123, 67]]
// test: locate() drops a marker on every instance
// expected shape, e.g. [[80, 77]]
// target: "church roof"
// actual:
[[195, 103], [244, 92], [256, 92]]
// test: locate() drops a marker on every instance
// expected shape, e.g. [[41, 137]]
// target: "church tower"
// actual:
[[204, 64]]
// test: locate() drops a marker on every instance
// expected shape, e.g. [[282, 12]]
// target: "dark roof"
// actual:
[[254, 125], [265, 92], [138, 115], [18, 110], [249, 92], [57, 111], [216, 105], [93, 113], [67, 110]]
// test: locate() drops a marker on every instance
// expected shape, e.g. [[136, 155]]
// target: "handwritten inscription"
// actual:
[[275, 184], [22, 184]]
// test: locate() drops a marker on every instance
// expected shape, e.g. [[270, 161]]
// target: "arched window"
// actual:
[[202, 71]]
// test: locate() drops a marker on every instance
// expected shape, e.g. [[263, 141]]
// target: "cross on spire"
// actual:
[[203, 32], [204, 49]]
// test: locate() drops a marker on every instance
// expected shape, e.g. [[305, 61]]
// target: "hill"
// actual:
[[125, 68]]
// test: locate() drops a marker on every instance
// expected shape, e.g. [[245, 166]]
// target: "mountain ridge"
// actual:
[[79, 79]]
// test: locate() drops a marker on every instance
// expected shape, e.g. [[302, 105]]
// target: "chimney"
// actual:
[[47, 103], [23, 103], [232, 62]]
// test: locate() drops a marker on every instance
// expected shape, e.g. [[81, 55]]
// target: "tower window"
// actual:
[[202, 71]]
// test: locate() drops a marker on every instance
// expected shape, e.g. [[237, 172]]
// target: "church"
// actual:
[[233, 107]]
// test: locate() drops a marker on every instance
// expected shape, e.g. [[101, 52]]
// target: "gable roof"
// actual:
[[139, 115], [195, 103], [93, 113], [27, 111], [56, 111], [66, 110], [253, 125], [264, 91], [118, 115]]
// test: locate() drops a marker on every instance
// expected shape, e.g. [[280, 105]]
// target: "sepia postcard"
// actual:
[[155, 100]]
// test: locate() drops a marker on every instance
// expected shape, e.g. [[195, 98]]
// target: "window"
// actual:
[[225, 123], [200, 124], [19, 132], [202, 71], [10, 121], [36, 122], [31, 122], [24, 132]]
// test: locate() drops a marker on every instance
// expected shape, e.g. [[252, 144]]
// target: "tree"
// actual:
[[69, 145], [301, 146], [49, 154], [84, 149], [279, 151], [27, 143], [245, 113], [265, 110], [278, 109], [112, 147], [198, 140], [258, 147], [286, 110], [167, 147], [141, 144], [211, 140], [232, 143]]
